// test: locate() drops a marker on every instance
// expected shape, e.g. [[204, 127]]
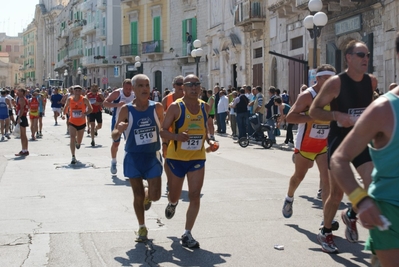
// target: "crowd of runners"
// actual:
[[337, 118]]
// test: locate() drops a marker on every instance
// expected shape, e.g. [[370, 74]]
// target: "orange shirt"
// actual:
[[77, 111]]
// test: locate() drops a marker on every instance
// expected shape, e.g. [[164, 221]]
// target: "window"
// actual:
[[16, 48], [296, 42], [190, 26], [134, 37], [156, 28], [258, 52], [8, 48]]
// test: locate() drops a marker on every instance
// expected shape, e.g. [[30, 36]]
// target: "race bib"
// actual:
[[355, 113], [194, 143], [76, 114], [92, 100], [319, 131], [145, 136]]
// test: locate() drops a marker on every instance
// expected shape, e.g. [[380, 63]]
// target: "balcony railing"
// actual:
[[101, 33], [89, 28], [249, 12], [88, 60], [102, 4], [64, 33], [77, 52], [77, 25], [129, 50], [152, 47]]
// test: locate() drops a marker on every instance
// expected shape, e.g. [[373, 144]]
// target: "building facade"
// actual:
[[11, 60]]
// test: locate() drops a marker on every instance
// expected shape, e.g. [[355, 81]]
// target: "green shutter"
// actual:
[[194, 28], [134, 37], [157, 28], [183, 35]]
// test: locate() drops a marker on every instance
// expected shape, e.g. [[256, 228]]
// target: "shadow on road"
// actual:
[[149, 254], [317, 204], [343, 245]]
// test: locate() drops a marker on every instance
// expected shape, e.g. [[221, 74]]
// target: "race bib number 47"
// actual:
[[145, 135], [194, 143]]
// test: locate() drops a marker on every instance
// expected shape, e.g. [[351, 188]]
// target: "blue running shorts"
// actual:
[[142, 165]]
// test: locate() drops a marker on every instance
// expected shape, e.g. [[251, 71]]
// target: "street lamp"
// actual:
[[137, 64], [66, 78], [56, 75], [314, 23], [197, 53], [79, 72]]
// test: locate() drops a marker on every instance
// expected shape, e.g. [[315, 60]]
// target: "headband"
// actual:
[[325, 72]]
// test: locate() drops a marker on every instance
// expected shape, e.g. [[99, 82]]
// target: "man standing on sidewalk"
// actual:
[[141, 121], [22, 120], [348, 93]]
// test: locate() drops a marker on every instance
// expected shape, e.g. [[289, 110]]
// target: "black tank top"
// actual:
[[354, 97]]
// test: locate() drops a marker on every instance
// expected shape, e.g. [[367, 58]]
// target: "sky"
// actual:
[[16, 15]]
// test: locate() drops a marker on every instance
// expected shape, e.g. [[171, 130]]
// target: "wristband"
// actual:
[[333, 113], [164, 143], [357, 195]]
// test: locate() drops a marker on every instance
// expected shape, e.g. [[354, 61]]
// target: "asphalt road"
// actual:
[[54, 214]]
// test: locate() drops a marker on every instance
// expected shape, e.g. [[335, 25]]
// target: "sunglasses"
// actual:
[[179, 84], [191, 84], [361, 54]]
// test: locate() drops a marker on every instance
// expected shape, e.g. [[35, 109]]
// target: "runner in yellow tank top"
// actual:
[[186, 153]]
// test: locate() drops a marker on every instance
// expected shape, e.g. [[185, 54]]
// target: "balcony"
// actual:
[[130, 50], [251, 15], [64, 33], [101, 33], [76, 26], [89, 28], [102, 4], [88, 5], [288, 8], [130, 2], [152, 47], [22, 56], [76, 53], [88, 61]]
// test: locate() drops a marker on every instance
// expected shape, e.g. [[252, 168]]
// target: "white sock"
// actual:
[[141, 225], [113, 160], [187, 232], [290, 199]]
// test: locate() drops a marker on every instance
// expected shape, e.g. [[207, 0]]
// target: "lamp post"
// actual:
[[66, 78], [314, 23], [137, 64], [78, 72], [197, 53]]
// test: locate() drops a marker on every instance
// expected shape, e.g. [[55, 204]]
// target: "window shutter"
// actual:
[[194, 28], [134, 37], [183, 34], [157, 28]]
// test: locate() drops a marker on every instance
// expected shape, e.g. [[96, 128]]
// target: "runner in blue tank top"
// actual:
[[140, 122]]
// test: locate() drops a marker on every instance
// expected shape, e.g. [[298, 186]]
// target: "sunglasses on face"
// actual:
[[179, 84], [191, 84], [361, 54]]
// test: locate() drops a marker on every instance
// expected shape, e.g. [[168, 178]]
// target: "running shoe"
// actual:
[[170, 211], [188, 241], [55, 123], [142, 234], [327, 243], [334, 225], [40, 134], [37, 135], [93, 143], [319, 194], [8, 136], [114, 170], [287, 208], [77, 145], [73, 161], [22, 154], [351, 229], [95, 132], [2, 138]]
